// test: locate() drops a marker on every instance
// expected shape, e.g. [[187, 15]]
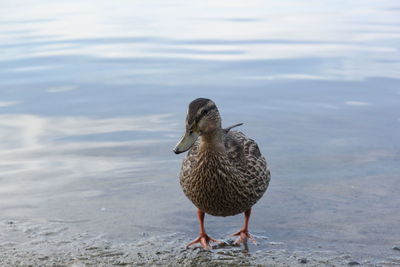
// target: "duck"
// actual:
[[223, 173]]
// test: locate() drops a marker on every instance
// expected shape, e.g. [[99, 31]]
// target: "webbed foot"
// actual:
[[204, 241], [244, 235]]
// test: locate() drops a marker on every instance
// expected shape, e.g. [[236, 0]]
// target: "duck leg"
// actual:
[[203, 238], [244, 234]]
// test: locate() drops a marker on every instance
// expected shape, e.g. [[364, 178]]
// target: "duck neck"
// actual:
[[212, 141]]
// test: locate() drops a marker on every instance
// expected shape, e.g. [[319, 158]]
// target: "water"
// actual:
[[93, 98]]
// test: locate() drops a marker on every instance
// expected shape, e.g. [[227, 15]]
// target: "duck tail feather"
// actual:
[[233, 126]]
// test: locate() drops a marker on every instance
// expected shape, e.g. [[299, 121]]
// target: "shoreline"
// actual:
[[54, 245]]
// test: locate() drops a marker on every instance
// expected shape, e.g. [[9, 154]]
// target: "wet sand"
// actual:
[[52, 246], [49, 246]]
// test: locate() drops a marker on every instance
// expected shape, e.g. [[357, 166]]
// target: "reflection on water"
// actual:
[[46, 147], [93, 98]]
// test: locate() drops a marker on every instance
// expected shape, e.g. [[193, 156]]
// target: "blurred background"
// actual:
[[93, 97]]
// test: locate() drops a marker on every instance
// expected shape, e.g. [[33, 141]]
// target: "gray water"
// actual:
[[93, 97]]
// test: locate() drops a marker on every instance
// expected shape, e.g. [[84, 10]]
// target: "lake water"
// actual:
[[93, 97]]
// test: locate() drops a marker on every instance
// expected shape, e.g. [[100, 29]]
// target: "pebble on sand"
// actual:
[[303, 260]]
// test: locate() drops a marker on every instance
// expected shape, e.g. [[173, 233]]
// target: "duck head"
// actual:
[[202, 119]]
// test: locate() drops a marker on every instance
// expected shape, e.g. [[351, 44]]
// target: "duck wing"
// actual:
[[246, 156]]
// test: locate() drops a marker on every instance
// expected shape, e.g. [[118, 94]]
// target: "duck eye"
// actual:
[[190, 131], [204, 112]]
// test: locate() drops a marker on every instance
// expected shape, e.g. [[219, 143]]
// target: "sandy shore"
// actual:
[[24, 243]]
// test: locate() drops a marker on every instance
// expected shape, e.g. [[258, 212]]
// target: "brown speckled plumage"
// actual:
[[224, 172]]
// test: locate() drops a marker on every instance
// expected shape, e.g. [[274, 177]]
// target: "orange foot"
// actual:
[[204, 241], [244, 235]]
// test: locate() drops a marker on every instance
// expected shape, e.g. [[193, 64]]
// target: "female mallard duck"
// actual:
[[224, 172]]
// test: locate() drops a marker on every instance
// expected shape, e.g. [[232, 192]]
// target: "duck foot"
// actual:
[[244, 235], [204, 240]]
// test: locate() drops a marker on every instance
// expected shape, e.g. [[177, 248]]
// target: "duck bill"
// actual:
[[186, 142]]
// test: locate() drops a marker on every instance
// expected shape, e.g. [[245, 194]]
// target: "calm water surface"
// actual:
[[93, 97]]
